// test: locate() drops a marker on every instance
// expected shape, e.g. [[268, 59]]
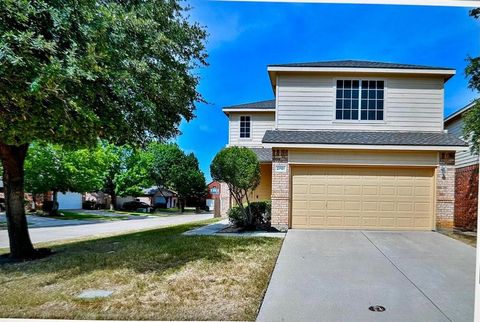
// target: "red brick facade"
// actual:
[[466, 197]]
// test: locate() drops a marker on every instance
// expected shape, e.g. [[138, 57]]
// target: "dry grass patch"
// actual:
[[465, 237], [155, 275]]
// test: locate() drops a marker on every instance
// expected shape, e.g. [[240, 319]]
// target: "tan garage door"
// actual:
[[362, 198]]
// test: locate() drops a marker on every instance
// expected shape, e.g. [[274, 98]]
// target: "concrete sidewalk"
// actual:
[[338, 275], [50, 234], [215, 229]]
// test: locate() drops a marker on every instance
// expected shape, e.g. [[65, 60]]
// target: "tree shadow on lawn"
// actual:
[[156, 251]]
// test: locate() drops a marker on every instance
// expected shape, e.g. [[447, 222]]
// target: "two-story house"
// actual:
[[352, 144], [466, 175]]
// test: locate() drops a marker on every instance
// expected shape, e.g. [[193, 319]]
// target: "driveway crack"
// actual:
[[405, 275]]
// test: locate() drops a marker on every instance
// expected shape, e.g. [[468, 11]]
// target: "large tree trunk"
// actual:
[[13, 158], [113, 200], [182, 205], [54, 210]]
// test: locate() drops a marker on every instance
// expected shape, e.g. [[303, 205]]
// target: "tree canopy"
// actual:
[[73, 71], [163, 165], [50, 167], [471, 129]]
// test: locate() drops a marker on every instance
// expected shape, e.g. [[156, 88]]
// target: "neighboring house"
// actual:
[[351, 144], [213, 197], [159, 198], [466, 176], [69, 200], [66, 201], [101, 199]]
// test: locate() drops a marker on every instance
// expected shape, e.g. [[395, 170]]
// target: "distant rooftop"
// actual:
[[358, 64], [459, 112], [260, 105]]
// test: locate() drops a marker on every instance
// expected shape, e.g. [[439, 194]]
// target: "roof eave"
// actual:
[[455, 148], [273, 70], [235, 110]]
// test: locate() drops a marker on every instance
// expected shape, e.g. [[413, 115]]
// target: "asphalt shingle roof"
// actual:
[[362, 138], [270, 104], [358, 64], [263, 154]]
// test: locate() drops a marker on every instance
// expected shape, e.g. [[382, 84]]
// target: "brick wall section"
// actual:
[[280, 190], [445, 183], [466, 197], [225, 199]]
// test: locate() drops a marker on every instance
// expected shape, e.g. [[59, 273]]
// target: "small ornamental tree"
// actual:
[[239, 168], [75, 71], [471, 129]]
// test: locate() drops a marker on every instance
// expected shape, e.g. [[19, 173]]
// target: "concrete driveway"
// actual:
[[338, 275], [49, 234]]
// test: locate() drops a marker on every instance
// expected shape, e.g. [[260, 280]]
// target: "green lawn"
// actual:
[[155, 275], [158, 212], [67, 215]]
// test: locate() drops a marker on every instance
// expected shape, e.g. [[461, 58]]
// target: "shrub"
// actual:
[[261, 213]]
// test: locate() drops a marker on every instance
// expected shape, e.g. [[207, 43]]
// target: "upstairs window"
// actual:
[[359, 100], [245, 127]]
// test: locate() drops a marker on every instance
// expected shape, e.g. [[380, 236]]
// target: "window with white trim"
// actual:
[[245, 126], [360, 100]]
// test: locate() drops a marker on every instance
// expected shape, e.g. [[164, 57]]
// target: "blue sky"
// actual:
[[246, 36]]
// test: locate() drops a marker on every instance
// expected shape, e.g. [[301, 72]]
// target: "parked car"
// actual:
[[136, 205]]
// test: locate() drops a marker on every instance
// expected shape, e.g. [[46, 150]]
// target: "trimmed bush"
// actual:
[[261, 212]]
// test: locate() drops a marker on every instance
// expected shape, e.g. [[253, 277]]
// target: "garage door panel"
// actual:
[[352, 197], [299, 220], [387, 206], [335, 189], [369, 221], [318, 204], [405, 191], [317, 220], [388, 191], [352, 205], [388, 222], [335, 220], [370, 190], [302, 188], [405, 222]]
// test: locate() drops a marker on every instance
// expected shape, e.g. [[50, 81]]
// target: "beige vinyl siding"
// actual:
[[308, 102], [260, 122], [463, 158], [363, 157], [264, 189]]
